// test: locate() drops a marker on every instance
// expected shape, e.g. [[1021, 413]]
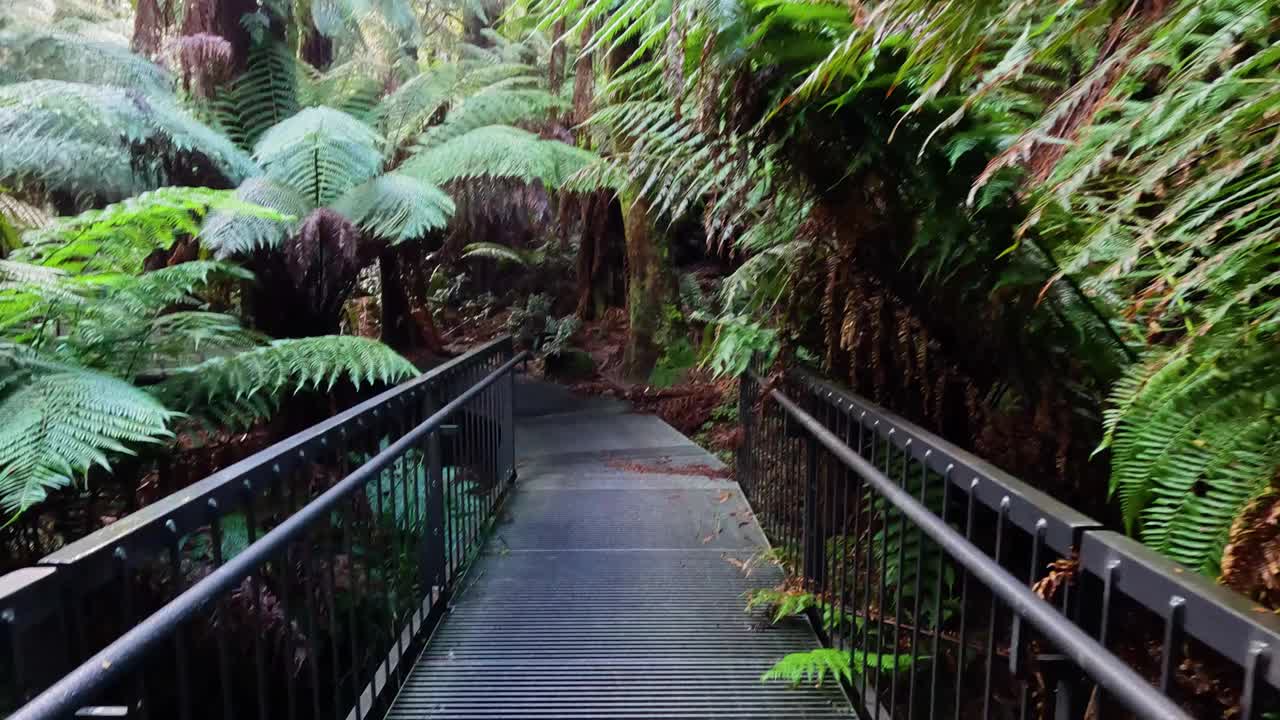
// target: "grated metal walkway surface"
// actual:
[[612, 587]]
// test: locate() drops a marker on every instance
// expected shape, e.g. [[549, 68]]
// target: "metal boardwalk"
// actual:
[[612, 588]]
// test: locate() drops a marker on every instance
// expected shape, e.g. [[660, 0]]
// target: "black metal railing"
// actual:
[[959, 591], [295, 583]]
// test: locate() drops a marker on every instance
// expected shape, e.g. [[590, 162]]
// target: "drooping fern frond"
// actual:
[[494, 251], [493, 107], [59, 423], [321, 152], [236, 233], [405, 112], [106, 142], [119, 237], [354, 87], [39, 54], [396, 207], [498, 151], [812, 667], [243, 387], [1194, 447]]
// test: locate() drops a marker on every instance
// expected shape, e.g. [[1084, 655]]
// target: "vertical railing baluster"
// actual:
[[937, 600], [220, 633], [964, 598], [1002, 520], [179, 636], [918, 590]]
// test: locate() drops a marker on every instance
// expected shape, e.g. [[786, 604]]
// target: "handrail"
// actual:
[[185, 508], [1108, 671], [1186, 603], [77, 688]]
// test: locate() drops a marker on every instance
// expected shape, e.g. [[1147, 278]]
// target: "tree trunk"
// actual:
[[600, 273], [316, 50], [397, 323], [150, 22], [651, 290], [559, 53], [477, 18], [300, 290], [583, 84]]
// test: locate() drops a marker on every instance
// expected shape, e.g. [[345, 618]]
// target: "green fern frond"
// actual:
[[495, 251], [240, 388], [237, 233], [354, 87], [812, 667], [498, 151], [23, 215], [493, 107], [321, 152], [105, 141], [119, 238], [396, 207], [263, 96], [403, 114], [39, 54], [58, 424]]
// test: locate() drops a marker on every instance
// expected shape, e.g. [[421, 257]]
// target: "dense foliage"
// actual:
[[1059, 211], [1043, 228]]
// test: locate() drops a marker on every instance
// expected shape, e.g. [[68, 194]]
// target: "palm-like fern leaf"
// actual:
[[237, 233], [493, 107], [105, 141], [246, 386], [396, 207], [498, 151], [321, 152], [60, 423], [44, 55], [119, 238], [265, 94]]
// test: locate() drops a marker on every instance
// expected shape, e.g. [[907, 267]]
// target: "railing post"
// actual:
[[508, 426], [813, 544], [745, 473], [434, 550]]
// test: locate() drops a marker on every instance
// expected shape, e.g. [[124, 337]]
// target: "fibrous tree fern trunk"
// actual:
[[222, 18], [301, 290]]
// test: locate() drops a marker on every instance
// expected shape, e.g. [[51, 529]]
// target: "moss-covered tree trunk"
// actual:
[[651, 290]]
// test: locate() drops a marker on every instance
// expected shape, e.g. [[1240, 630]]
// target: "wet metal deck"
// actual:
[[609, 588]]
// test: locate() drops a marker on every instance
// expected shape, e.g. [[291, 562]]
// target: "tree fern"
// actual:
[[493, 107], [60, 423], [246, 386], [498, 151], [395, 207], [119, 238], [265, 94], [320, 152], [105, 141], [236, 233], [38, 54]]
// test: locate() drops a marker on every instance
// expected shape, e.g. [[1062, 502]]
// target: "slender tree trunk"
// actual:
[[150, 22], [651, 290], [316, 50], [583, 85], [559, 54]]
